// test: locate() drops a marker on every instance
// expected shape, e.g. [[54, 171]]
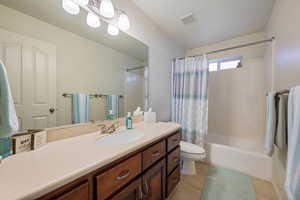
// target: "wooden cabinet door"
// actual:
[[173, 180], [154, 182], [132, 192]]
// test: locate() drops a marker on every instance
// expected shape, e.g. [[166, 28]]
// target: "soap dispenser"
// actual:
[[110, 115], [129, 121]]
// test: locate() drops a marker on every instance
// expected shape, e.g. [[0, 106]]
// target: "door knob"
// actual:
[[52, 110]]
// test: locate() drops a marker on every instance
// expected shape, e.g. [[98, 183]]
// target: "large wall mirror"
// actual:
[[62, 71]]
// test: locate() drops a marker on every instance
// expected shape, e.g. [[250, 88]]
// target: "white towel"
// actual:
[[8, 118], [281, 131], [271, 122], [292, 182]]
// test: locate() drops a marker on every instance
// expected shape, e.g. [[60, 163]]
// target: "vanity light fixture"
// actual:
[[100, 10], [112, 30], [93, 20], [123, 21], [71, 7], [107, 9]]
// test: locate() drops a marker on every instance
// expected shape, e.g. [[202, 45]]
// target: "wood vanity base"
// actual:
[[150, 173]]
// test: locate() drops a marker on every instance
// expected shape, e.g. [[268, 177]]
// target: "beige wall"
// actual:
[[82, 65], [284, 25], [161, 52], [237, 97]]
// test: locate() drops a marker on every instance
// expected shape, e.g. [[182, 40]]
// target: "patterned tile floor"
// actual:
[[191, 187]]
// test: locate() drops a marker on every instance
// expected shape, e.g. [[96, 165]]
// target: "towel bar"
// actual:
[[91, 95]]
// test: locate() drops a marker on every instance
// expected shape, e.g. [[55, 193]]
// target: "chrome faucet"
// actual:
[[109, 128]]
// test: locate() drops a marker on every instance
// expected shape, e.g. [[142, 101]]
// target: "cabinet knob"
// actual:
[[52, 110]]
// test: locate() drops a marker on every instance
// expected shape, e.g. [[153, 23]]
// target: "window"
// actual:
[[225, 63], [213, 67]]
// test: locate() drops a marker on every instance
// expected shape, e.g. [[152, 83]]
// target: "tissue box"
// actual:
[[21, 143], [39, 139], [150, 117]]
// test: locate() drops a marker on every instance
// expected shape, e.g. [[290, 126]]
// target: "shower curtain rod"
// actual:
[[135, 68], [234, 47]]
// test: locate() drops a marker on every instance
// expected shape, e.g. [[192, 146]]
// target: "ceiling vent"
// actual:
[[187, 19]]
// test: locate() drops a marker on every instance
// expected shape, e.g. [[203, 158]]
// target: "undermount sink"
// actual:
[[119, 138]]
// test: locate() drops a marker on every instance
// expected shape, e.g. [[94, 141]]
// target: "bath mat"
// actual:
[[225, 184]]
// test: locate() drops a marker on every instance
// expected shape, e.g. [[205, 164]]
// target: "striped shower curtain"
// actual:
[[189, 97]]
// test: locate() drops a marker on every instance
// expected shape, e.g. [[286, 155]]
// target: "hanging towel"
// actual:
[[8, 117], [81, 108], [271, 121], [292, 182], [112, 104], [281, 129]]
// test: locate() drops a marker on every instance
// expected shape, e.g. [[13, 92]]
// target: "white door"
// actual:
[[31, 68]]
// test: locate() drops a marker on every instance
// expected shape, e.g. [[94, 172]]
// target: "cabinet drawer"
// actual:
[[173, 180], [81, 192], [113, 179], [173, 141], [173, 159], [153, 154]]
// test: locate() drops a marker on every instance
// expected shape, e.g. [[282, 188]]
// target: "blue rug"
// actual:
[[225, 184]]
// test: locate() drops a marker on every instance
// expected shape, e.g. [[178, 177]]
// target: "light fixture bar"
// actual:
[[120, 19]]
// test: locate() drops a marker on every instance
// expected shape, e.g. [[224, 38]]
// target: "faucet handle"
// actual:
[[116, 124]]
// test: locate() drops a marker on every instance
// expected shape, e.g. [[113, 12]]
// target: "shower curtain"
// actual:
[[189, 97]]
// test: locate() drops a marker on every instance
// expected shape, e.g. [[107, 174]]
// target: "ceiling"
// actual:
[[214, 20], [51, 11]]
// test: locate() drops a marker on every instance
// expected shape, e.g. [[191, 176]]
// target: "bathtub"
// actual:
[[241, 155]]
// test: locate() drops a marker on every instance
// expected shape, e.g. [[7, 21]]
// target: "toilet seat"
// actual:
[[189, 154], [190, 148]]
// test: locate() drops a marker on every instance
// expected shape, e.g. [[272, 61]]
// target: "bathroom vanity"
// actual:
[[145, 169]]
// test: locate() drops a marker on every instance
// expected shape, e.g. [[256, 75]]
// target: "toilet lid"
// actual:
[[191, 148]]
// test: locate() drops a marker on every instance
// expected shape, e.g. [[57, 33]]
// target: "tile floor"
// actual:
[[190, 187]]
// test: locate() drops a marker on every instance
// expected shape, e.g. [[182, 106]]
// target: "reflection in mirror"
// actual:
[[63, 71], [136, 91]]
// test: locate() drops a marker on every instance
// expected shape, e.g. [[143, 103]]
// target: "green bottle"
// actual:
[[5, 146], [129, 121]]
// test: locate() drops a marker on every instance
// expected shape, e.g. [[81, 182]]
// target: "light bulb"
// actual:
[[84, 2], [93, 20], [123, 22], [70, 7], [112, 30], [107, 9]]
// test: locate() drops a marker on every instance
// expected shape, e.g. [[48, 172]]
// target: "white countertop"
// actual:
[[32, 174]]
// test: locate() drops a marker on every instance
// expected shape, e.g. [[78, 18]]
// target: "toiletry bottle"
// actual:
[[110, 115], [5, 147], [129, 121]]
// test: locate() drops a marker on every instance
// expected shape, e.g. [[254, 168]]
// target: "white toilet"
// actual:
[[189, 154]]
